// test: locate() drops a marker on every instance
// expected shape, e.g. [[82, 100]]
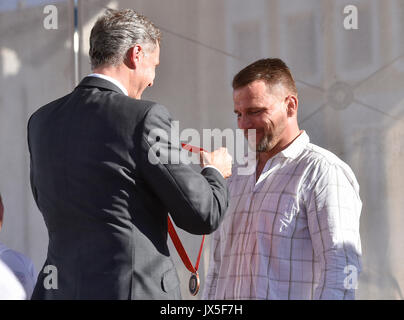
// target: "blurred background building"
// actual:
[[350, 83]]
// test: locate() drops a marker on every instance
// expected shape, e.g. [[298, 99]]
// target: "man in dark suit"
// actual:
[[102, 186]]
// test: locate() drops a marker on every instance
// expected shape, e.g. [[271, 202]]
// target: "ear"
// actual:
[[134, 56], [292, 104]]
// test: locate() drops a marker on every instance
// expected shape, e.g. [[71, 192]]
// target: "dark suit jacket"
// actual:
[[105, 203]]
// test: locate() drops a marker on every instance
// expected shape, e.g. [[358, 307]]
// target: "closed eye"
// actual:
[[256, 111]]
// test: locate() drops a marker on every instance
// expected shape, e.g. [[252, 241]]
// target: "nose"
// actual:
[[150, 84]]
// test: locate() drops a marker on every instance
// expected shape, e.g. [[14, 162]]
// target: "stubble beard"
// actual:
[[268, 141], [265, 145]]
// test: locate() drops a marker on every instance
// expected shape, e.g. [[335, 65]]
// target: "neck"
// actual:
[[119, 73], [263, 157]]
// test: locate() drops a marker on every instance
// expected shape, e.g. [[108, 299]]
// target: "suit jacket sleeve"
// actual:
[[196, 201]]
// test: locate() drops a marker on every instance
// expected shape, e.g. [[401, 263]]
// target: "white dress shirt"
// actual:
[[293, 234], [10, 287], [110, 79], [22, 268]]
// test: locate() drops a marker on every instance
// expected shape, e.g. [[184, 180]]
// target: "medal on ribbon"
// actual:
[[194, 281], [194, 284]]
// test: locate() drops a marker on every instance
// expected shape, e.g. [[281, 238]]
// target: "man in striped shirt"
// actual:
[[292, 227]]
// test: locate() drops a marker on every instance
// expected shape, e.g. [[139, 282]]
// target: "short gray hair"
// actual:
[[116, 32]]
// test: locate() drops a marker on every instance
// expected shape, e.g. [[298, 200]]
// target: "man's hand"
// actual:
[[219, 158]]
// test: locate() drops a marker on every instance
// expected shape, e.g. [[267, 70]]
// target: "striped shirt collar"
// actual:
[[296, 147]]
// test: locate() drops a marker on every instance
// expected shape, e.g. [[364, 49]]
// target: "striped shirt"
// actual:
[[293, 234]]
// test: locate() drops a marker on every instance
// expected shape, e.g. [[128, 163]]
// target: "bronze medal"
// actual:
[[194, 284]]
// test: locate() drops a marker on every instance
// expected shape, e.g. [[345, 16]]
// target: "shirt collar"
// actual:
[[110, 79], [292, 151], [296, 147]]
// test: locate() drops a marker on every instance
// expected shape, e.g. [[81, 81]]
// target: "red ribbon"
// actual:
[[192, 148], [180, 248], [174, 236]]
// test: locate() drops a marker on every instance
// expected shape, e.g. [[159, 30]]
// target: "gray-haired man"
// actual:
[[104, 203]]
